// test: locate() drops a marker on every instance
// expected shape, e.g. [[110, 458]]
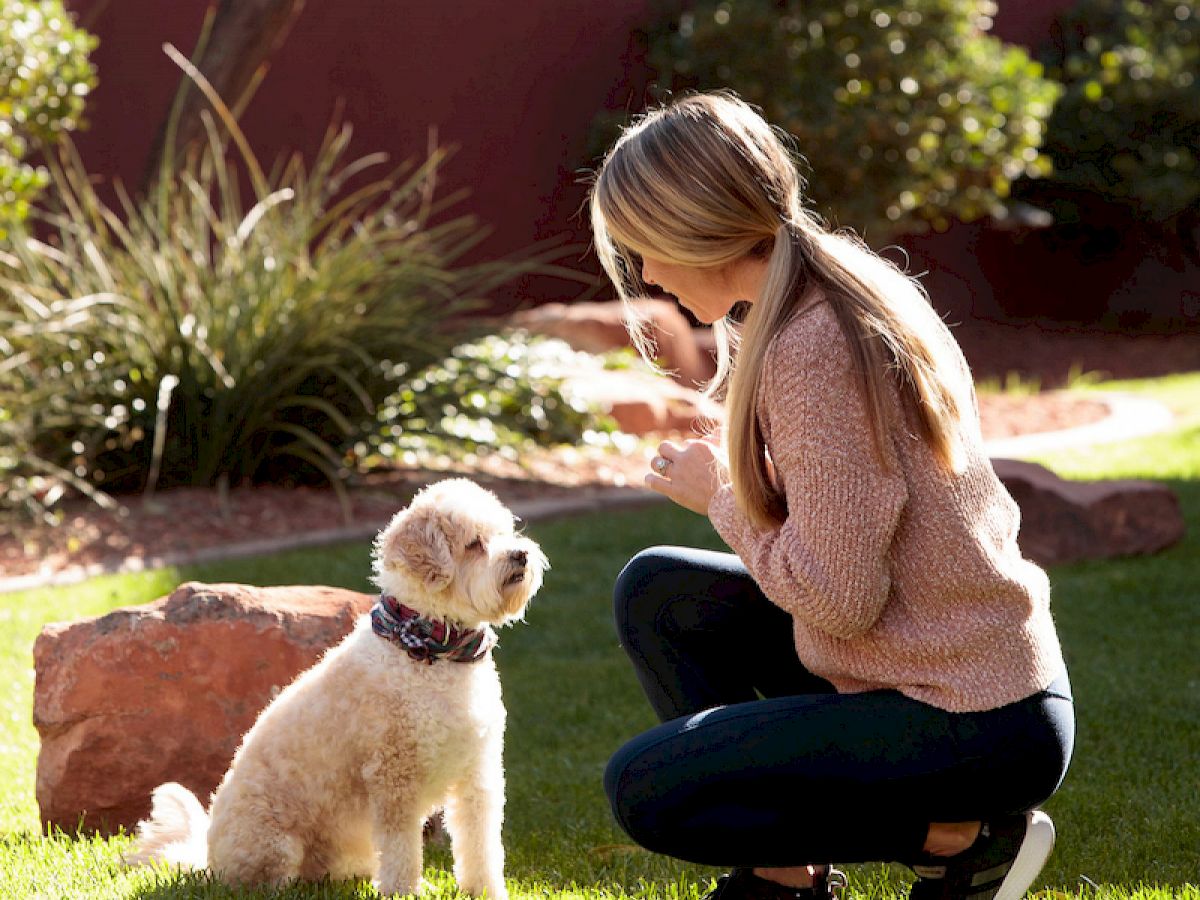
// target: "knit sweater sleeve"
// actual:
[[827, 563]]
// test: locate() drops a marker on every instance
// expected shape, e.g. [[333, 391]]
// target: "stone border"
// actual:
[[528, 510], [1129, 417]]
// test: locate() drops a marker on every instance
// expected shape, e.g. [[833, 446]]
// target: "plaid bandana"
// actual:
[[424, 639]]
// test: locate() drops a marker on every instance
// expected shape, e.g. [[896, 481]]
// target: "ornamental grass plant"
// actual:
[[235, 324]]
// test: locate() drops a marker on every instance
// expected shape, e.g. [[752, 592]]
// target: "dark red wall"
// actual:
[[516, 86], [1027, 22]]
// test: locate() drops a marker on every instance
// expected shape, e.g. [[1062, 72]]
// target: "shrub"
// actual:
[[186, 338], [1128, 126], [44, 77], [502, 393], [907, 111]]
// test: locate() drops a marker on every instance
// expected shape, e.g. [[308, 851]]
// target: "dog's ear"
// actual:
[[419, 543]]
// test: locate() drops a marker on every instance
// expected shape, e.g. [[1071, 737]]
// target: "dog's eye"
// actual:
[[476, 544]]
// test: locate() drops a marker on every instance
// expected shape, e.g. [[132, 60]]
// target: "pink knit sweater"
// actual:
[[909, 579]]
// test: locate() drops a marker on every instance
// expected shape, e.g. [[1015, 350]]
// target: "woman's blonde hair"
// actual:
[[705, 182]]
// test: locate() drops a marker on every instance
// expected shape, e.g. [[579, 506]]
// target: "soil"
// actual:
[[188, 520]]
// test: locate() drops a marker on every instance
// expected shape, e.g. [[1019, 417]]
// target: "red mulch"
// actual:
[[189, 519], [181, 521]]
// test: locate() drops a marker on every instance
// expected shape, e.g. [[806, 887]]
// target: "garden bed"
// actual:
[[182, 522]]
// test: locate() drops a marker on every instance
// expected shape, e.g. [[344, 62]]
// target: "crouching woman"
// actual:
[[874, 673]]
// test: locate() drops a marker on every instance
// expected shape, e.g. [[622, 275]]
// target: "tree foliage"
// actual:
[[45, 75], [1128, 126], [907, 111]]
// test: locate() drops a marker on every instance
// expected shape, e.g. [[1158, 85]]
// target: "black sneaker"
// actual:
[[1001, 864], [743, 884]]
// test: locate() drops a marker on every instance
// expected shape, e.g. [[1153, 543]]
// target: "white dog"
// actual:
[[404, 716]]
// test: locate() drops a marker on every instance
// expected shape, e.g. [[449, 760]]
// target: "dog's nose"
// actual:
[[518, 556]]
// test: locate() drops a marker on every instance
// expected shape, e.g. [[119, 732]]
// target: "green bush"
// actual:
[[44, 77], [907, 111], [189, 338], [1128, 126], [502, 393]]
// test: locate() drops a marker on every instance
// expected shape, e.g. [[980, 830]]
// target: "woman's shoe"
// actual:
[[743, 884], [1001, 864]]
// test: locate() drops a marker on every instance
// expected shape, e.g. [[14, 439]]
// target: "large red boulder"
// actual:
[[165, 691], [1062, 520], [642, 403], [600, 327]]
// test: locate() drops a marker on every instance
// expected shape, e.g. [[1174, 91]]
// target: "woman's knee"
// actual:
[[613, 775], [636, 594], [630, 795]]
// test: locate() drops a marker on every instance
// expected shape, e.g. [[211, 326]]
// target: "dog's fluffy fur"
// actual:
[[339, 773]]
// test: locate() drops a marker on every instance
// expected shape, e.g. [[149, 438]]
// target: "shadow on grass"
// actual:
[[203, 886]]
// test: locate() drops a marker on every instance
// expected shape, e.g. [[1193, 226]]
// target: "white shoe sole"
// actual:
[[1035, 850]]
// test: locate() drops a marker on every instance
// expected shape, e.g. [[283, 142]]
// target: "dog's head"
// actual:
[[454, 554]]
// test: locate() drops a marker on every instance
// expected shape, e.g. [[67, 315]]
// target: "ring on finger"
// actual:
[[661, 464]]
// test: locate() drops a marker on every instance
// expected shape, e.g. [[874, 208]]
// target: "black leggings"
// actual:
[[806, 775]]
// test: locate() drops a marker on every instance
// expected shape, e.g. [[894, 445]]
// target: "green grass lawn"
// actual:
[[1127, 815]]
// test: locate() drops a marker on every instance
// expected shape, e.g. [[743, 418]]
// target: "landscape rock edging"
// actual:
[[1066, 521]]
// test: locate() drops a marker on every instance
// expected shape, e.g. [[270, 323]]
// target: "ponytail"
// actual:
[[705, 182], [756, 491]]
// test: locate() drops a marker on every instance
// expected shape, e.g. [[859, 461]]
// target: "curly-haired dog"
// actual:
[[339, 773]]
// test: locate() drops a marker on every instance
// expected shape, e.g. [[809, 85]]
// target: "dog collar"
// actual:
[[428, 640]]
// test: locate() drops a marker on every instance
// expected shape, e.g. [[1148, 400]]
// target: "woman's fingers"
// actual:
[[668, 452], [685, 473]]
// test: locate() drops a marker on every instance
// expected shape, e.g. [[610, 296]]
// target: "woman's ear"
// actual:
[[416, 541]]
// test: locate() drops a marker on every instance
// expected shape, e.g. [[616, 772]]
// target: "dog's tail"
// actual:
[[175, 833]]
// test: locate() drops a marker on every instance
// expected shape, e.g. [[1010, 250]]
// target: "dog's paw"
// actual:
[[486, 890], [393, 888]]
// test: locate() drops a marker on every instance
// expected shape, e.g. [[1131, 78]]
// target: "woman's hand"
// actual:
[[689, 473]]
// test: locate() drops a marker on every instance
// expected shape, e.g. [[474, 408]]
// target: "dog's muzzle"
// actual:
[[517, 559], [517, 563]]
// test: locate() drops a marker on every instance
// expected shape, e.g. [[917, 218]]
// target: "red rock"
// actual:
[[639, 404], [643, 403], [600, 327], [1065, 520], [165, 691]]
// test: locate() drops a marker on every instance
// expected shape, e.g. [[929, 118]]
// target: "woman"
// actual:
[[874, 674]]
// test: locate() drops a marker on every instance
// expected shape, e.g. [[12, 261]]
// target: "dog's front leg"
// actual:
[[397, 830], [474, 817]]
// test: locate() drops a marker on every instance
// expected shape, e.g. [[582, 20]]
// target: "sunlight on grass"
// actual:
[[1014, 383], [1022, 385], [1126, 813], [1180, 393], [1173, 456]]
